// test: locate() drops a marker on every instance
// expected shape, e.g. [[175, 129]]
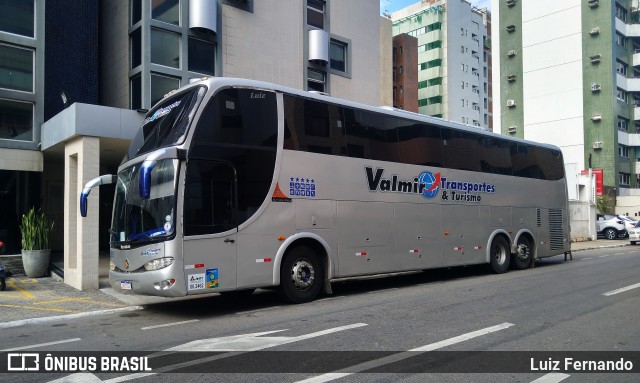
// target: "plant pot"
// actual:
[[36, 262]]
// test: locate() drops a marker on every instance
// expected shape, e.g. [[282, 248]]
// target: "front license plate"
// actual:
[[125, 285]]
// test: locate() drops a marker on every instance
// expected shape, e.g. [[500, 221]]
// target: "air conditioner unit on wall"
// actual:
[[596, 87], [595, 59], [511, 103], [511, 78], [511, 3], [511, 53], [596, 117], [597, 145], [511, 28], [594, 31], [594, 3], [512, 129]]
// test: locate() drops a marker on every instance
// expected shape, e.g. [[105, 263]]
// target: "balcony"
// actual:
[[434, 72], [628, 84], [628, 139], [430, 37], [636, 113], [636, 59], [430, 91], [432, 109], [628, 30], [430, 55]]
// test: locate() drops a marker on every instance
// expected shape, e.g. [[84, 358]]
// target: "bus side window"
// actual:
[[523, 159], [460, 150], [495, 156], [420, 144]]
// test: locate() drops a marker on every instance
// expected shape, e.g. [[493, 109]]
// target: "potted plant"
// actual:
[[36, 230]]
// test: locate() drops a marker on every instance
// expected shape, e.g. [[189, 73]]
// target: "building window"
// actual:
[[166, 10], [315, 13], [623, 151], [621, 68], [621, 95], [17, 17], [624, 178], [316, 80], [202, 56], [338, 56], [165, 48], [623, 124], [16, 120], [16, 68], [621, 13], [136, 11], [136, 92], [161, 85], [619, 39], [136, 48]]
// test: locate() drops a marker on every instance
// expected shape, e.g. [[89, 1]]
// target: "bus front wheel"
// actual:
[[499, 255], [301, 275]]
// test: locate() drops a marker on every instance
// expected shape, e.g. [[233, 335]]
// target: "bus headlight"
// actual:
[[158, 264]]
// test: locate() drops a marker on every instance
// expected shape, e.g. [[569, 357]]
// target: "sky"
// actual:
[[394, 5]]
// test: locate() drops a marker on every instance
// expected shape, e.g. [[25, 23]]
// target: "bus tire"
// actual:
[[524, 254], [301, 275], [499, 255]]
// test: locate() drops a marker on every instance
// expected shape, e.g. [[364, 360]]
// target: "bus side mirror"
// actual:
[[102, 180]]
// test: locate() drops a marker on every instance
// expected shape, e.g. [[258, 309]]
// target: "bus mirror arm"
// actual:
[[102, 180]]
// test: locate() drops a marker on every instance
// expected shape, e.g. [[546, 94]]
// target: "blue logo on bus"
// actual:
[[431, 182]]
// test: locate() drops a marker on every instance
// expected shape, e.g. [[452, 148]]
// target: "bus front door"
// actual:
[[210, 226]]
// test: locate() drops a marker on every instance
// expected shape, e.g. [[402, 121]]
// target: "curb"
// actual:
[[24, 322]]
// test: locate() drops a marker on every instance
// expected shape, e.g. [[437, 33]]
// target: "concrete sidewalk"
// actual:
[[29, 301]]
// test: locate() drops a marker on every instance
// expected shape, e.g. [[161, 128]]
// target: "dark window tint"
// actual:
[[523, 160], [210, 198], [239, 128], [136, 48], [167, 123], [338, 55], [16, 17], [202, 56], [420, 144], [551, 164], [495, 156], [16, 68], [315, 13], [166, 10], [161, 85], [16, 120], [136, 10], [136, 92], [313, 126], [460, 150]]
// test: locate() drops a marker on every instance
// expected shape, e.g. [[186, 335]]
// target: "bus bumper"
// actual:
[[166, 282]]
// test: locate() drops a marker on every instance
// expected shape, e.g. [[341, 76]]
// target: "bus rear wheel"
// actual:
[[524, 254], [499, 255], [301, 275]]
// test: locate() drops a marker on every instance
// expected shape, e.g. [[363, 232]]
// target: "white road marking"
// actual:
[[257, 311], [403, 355], [586, 259], [237, 344], [41, 345], [169, 324], [621, 290], [25, 322], [605, 256], [552, 378]]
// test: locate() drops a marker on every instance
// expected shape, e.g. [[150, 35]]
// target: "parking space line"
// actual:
[[41, 345], [169, 324], [39, 308], [61, 300], [553, 377], [403, 355], [621, 290], [22, 291]]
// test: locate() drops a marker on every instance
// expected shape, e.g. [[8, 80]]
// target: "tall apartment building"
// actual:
[[453, 56], [405, 73], [570, 76], [75, 77]]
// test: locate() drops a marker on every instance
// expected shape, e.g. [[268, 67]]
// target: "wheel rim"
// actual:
[[611, 234], [524, 252], [302, 274], [499, 254]]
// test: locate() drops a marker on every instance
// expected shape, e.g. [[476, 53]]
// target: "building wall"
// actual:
[[386, 62], [114, 54], [265, 45], [405, 84]]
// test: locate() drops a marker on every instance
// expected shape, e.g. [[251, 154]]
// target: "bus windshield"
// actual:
[[143, 220], [166, 124]]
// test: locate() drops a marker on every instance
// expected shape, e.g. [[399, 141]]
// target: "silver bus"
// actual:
[[233, 185]]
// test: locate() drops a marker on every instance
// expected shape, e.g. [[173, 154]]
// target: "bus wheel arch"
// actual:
[[499, 252], [524, 250], [302, 269]]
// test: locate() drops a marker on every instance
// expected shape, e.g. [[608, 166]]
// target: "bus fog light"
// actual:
[[157, 264], [112, 266], [163, 285]]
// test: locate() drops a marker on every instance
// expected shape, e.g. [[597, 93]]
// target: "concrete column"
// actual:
[[81, 164]]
